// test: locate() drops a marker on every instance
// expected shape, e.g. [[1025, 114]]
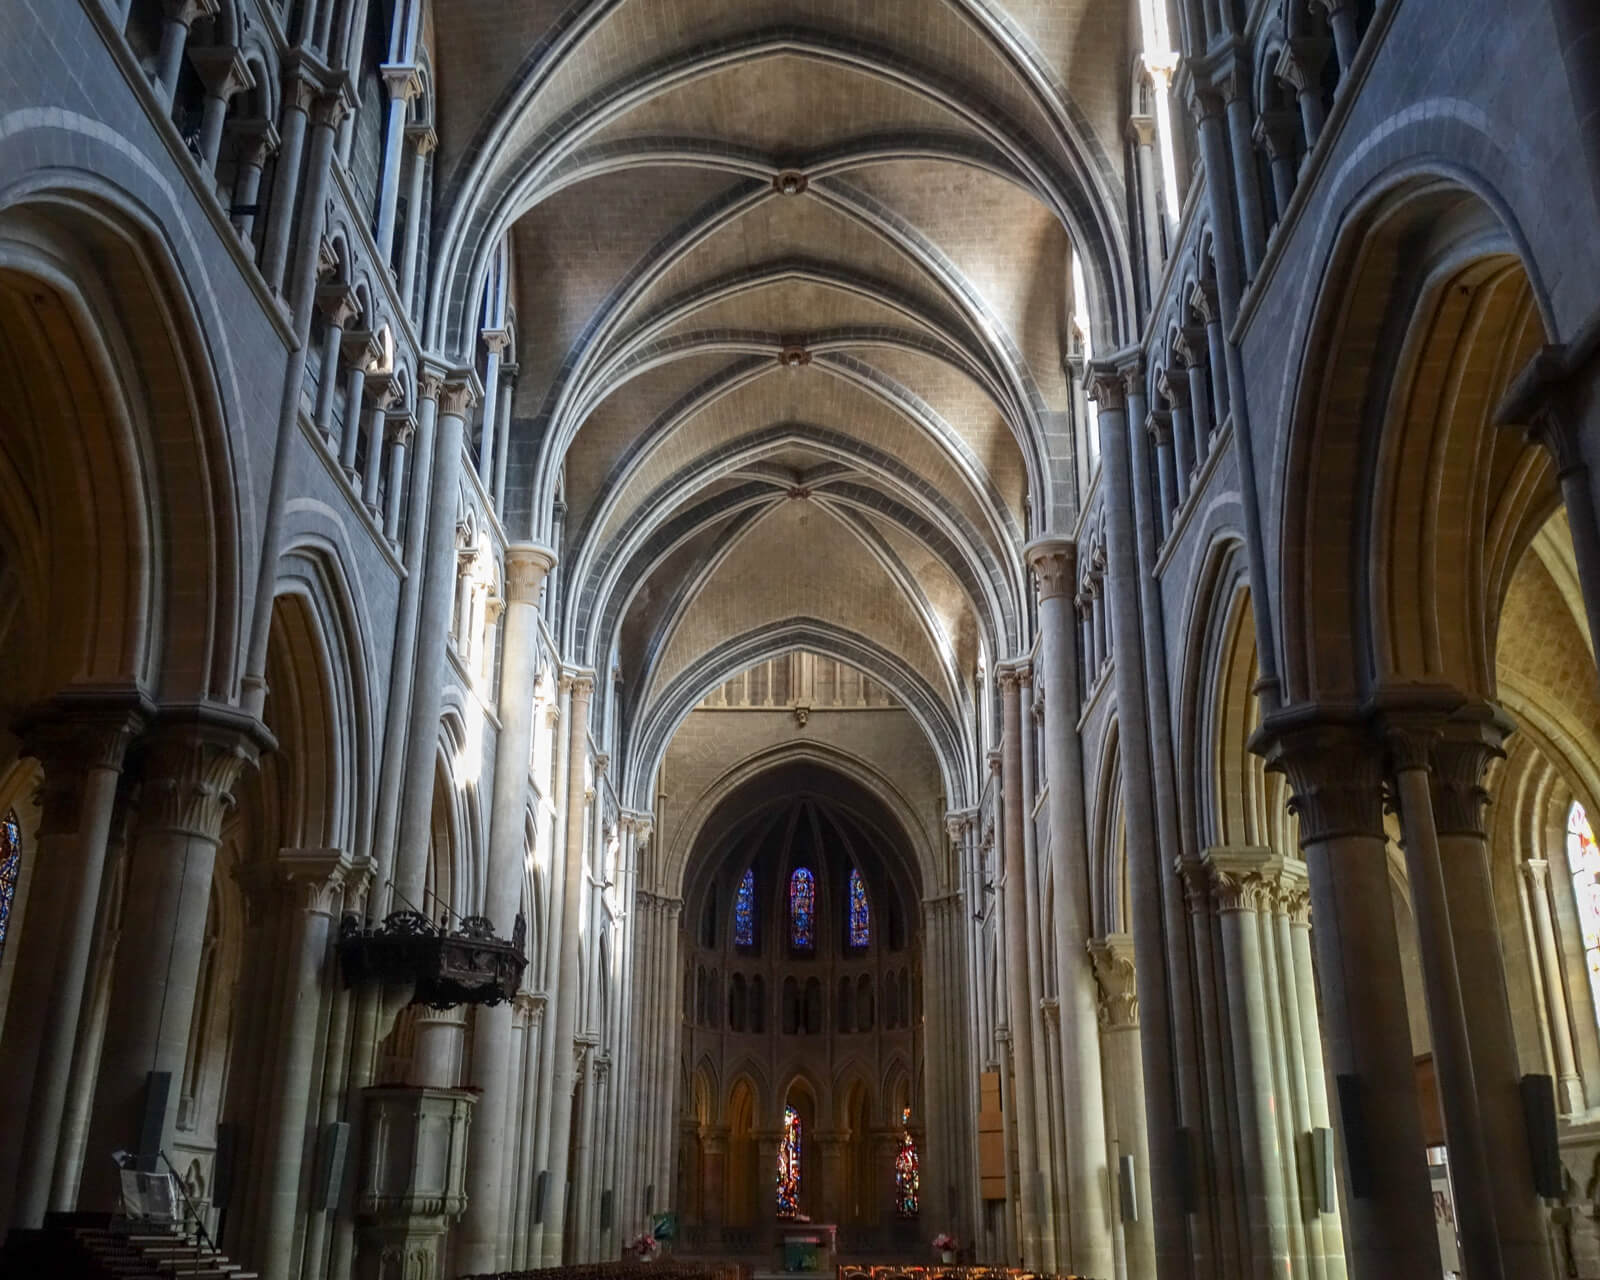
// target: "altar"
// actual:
[[807, 1247]]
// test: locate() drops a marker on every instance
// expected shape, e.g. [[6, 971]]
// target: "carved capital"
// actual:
[[430, 381], [1174, 385], [457, 396], [1275, 132], [1335, 772], [401, 79], [581, 684], [318, 876], [1300, 63], [190, 764], [338, 303], [222, 70], [498, 341], [1256, 879], [254, 141], [1537, 871], [362, 349], [71, 739], [1008, 679], [527, 565], [1159, 425], [1142, 130], [1461, 758], [422, 139], [1203, 299], [399, 428], [1112, 957], [1107, 387], [1054, 562]]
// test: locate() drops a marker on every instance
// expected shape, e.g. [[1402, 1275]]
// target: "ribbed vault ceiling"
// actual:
[[879, 487]]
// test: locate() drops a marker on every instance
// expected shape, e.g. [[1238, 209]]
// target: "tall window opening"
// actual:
[[1583, 861], [744, 910], [802, 910], [789, 1165], [860, 912], [10, 870], [907, 1174]]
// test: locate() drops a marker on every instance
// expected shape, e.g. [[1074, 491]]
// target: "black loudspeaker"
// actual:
[[222, 1168], [1539, 1114], [330, 1164], [1352, 1118], [538, 1194], [153, 1119], [649, 1198], [1322, 1168], [605, 1211], [1188, 1180], [1127, 1189]]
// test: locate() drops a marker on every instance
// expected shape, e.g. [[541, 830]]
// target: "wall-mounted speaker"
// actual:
[[1188, 1173], [330, 1165], [538, 1194], [1127, 1189], [1539, 1114], [1322, 1158], [222, 1166], [153, 1118], [1352, 1119]]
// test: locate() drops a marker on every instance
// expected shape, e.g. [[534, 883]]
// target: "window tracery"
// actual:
[[802, 910], [10, 870], [860, 912], [1583, 862], [789, 1165]]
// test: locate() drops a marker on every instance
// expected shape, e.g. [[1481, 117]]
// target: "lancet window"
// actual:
[[744, 910], [803, 910], [10, 870], [907, 1171], [789, 1165], [860, 912], [1583, 862]]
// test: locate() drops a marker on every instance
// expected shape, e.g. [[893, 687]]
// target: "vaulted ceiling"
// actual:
[[793, 292]]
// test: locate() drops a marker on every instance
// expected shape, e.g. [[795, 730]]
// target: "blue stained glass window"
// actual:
[[744, 910], [789, 1165], [907, 1173], [10, 869], [802, 910], [860, 913]]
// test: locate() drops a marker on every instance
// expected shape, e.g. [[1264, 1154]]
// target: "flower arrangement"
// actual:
[[645, 1246], [946, 1245]]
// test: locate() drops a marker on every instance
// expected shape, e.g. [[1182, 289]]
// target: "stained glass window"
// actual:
[[789, 1165], [907, 1175], [10, 869], [860, 913], [744, 910], [1583, 861], [802, 910]]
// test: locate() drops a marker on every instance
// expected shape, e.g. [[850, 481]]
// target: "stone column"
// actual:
[[430, 380], [1472, 739], [1537, 870], [300, 91], [1447, 1015], [496, 340], [403, 84], [1233, 84], [1018, 989], [177, 17], [385, 396], [316, 880], [433, 625], [1151, 911], [255, 142], [1112, 956], [190, 764], [1578, 35], [81, 750], [508, 389], [1175, 388], [1274, 134], [568, 975], [224, 73], [1241, 883], [1142, 133], [398, 429], [421, 141], [363, 354], [1191, 349], [1203, 299], [1335, 776], [339, 306], [1159, 425], [1084, 1161], [1300, 67], [1346, 36], [483, 1243]]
